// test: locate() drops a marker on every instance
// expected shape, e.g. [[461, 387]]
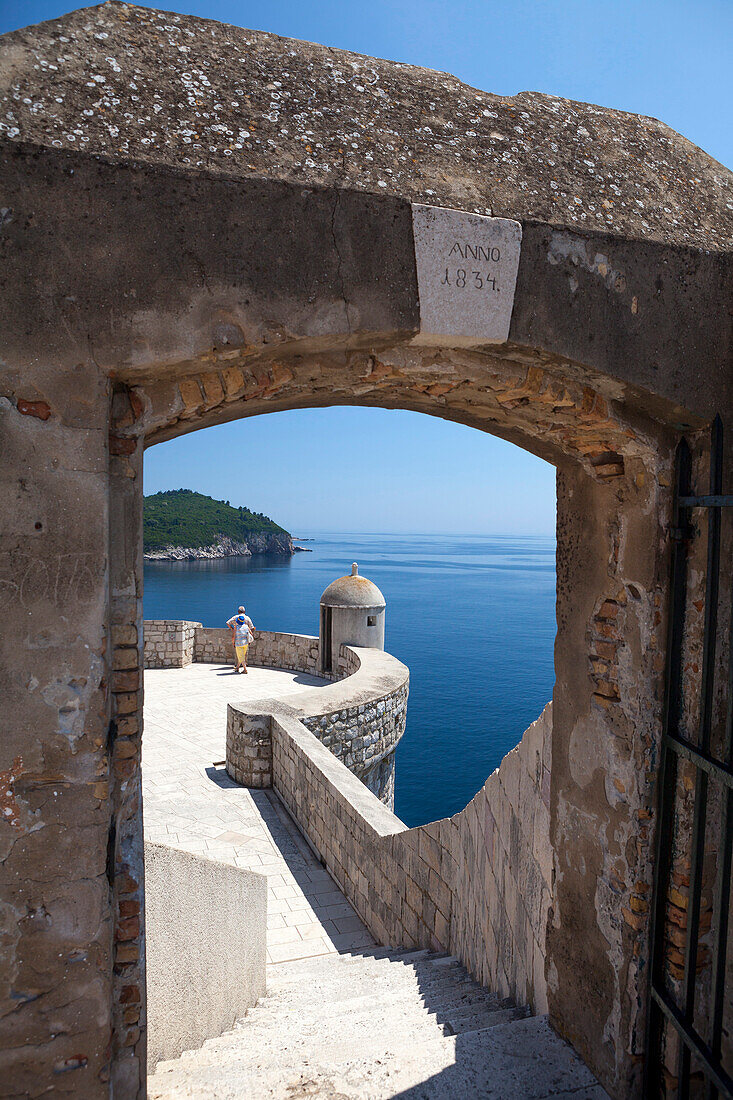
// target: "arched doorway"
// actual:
[[153, 288], [607, 590]]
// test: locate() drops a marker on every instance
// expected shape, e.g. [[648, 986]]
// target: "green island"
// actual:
[[180, 519]]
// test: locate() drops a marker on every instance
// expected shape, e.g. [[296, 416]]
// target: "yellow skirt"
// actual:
[[241, 654]]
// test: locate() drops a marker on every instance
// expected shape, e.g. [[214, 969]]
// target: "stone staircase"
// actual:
[[373, 1025]]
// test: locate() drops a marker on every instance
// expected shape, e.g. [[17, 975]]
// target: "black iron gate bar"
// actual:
[[662, 1005]]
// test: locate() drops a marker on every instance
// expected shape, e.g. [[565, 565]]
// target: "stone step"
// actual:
[[458, 1023], [522, 1059], [376, 1024], [292, 973], [405, 1017], [299, 986], [411, 1023]]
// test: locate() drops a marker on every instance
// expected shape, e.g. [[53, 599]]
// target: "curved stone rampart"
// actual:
[[360, 718]]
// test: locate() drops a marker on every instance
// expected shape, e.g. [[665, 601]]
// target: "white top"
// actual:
[[243, 626]]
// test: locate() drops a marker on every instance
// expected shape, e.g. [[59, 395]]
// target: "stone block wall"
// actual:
[[503, 886], [399, 880], [348, 662], [272, 649], [169, 643], [380, 779], [364, 734], [249, 748]]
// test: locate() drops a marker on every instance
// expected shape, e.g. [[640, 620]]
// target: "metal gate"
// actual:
[[672, 1004]]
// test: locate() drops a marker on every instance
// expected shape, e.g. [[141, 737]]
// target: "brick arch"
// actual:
[[544, 407]]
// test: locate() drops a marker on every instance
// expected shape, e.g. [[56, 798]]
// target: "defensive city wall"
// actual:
[[153, 169], [478, 884]]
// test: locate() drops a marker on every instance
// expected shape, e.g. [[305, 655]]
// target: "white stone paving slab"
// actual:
[[194, 806]]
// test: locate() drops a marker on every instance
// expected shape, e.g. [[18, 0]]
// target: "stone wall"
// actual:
[[503, 886], [205, 960], [173, 643], [272, 649], [364, 734], [478, 884], [359, 718], [168, 643]]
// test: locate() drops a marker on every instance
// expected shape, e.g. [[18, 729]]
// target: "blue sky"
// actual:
[[373, 470]]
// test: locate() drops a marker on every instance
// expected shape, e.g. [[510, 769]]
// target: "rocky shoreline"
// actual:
[[278, 543]]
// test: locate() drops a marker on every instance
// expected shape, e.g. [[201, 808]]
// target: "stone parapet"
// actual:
[[505, 870], [249, 747], [174, 643], [169, 643], [205, 963], [271, 649], [360, 718]]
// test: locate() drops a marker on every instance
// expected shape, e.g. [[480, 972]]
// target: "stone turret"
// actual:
[[352, 613]]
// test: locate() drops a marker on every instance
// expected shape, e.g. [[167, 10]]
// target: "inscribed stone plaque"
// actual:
[[466, 275]]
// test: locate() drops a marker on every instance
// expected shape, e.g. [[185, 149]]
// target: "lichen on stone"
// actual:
[[135, 84]]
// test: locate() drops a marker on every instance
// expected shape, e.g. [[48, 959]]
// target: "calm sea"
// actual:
[[472, 617]]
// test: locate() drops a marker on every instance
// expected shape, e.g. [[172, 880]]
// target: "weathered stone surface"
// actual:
[[360, 719], [133, 84]]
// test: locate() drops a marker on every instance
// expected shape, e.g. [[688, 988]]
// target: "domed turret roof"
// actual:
[[352, 591]]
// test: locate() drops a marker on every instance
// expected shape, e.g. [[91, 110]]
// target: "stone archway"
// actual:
[[611, 547], [151, 287]]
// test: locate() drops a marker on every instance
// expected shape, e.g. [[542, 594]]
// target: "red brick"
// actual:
[[126, 703], [126, 953], [39, 409], [136, 404], [125, 681], [128, 929]]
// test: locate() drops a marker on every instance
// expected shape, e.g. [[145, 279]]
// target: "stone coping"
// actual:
[[359, 718], [339, 779], [377, 675]]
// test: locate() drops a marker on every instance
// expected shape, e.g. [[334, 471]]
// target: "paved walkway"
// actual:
[[191, 803]]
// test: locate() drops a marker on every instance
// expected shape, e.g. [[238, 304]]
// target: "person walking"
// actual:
[[244, 629]]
